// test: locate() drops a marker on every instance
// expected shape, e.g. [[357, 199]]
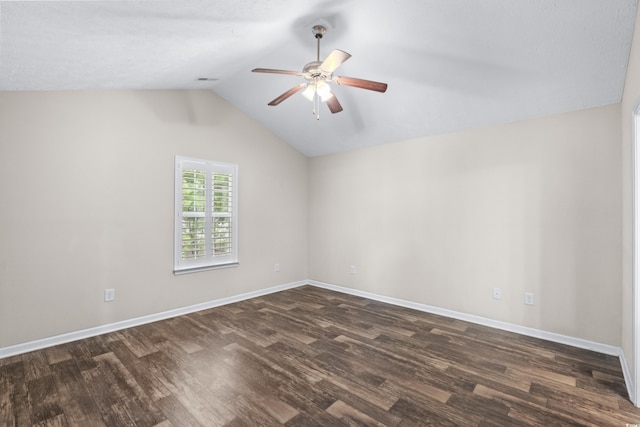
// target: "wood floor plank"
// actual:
[[43, 399], [350, 415], [207, 410], [176, 413], [581, 405], [9, 415], [279, 410], [138, 343], [405, 387], [84, 351], [313, 357], [123, 352], [509, 382], [415, 414], [204, 407], [36, 365], [74, 397], [375, 396], [471, 403], [543, 417], [12, 376], [150, 383], [535, 373], [127, 400], [357, 400], [510, 399], [249, 413], [57, 354], [214, 376], [57, 421]]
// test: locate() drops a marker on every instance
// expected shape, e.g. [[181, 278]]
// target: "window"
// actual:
[[206, 226]]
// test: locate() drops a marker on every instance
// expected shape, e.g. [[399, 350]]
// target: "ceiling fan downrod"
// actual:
[[318, 31]]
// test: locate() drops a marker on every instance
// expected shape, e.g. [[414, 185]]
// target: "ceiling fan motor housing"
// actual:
[[313, 72]]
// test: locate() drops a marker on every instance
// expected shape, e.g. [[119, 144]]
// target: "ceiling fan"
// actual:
[[317, 74]]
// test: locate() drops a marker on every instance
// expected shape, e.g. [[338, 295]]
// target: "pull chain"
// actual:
[[316, 105]]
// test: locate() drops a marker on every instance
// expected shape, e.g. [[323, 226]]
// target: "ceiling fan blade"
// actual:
[[362, 84], [272, 71], [334, 60], [334, 104], [287, 94]]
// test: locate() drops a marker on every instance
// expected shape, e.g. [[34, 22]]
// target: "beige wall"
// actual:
[[629, 99], [87, 186], [528, 206]]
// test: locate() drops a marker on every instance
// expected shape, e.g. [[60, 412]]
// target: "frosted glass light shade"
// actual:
[[309, 92], [322, 89]]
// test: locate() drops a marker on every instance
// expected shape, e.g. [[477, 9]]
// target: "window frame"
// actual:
[[209, 261]]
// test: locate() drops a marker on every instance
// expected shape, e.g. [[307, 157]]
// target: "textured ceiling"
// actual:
[[450, 64]]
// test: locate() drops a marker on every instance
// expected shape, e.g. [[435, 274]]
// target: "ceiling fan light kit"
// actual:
[[320, 89], [318, 74]]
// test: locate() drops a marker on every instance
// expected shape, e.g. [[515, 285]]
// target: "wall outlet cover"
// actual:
[[528, 298]]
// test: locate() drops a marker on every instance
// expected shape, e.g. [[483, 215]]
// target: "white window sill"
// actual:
[[205, 268]]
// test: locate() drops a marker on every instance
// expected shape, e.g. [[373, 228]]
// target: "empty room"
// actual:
[[331, 213]]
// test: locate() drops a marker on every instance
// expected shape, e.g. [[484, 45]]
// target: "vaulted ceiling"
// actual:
[[450, 64]]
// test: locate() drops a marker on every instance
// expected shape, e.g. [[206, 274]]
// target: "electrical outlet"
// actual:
[[353, 269], [497, 293], [276, 268], [528, 298], [109, 295]]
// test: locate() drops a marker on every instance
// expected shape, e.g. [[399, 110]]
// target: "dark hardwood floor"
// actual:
[[310, 356]]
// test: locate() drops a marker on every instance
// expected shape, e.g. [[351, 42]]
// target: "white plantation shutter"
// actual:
[[206, 215]]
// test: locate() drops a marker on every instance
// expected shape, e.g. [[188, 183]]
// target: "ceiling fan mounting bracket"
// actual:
[[319, 31]]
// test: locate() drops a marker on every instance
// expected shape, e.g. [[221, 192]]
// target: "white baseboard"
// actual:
[[112, 327], [628, 378], [510, 327]]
